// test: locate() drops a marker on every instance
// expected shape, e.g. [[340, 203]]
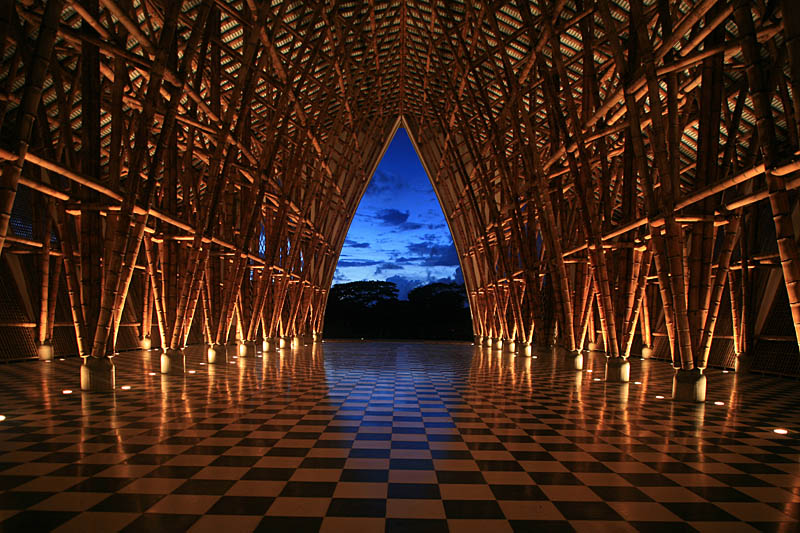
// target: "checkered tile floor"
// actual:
[[393, 437]]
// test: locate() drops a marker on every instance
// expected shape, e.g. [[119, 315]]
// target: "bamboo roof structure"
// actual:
[[607, 168]]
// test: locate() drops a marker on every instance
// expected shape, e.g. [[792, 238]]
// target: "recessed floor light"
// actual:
[[637, 382], [659, 397], [719, 403], [781, 431], [2, 417], [66, 391], [724, 371], [202, 364], [590, 371], [151, 373], [535, 357], [126, 387], [192, 371]]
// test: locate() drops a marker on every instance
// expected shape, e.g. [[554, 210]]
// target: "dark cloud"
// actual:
[[344, 263], [404, 285], [383, 267], [383, 183], [426, 253], [411, 226], [356, 244], [392, 217]]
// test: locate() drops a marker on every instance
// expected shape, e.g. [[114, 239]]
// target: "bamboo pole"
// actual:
[[32, 93], [707, 334], [778, 197]]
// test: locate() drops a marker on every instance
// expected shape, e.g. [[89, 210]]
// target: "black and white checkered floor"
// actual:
[[393, 437]]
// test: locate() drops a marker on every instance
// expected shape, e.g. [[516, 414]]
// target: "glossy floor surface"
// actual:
[[393, 437]]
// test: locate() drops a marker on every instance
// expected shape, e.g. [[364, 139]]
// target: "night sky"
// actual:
[[399, 233]]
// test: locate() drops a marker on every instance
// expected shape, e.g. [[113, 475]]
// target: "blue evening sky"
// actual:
[[399, 233]]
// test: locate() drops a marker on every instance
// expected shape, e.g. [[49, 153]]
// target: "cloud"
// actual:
[[392, 217], [383, 267], [426, 253], [404, 285], [384, 182], [345, 263], [356, 244], [411, 226]]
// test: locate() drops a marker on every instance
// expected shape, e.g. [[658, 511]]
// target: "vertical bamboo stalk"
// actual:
[[158, 301], [147, 307], [73, 286], [44, 286], [731, 234], [735, 293]]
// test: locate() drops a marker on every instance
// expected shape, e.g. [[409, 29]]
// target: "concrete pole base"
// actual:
[[297, 342], [268, 345], [647, 352], [511, 346], [45, 351], [574, 359], [478, 340], [526, 351], [487, 341], [498, 344], [172, 362], [247, 349], [618, 370], [283, 343], [215, 354], [689, 386], [593, 347], [316, 337], [145, 343], [97, 374]]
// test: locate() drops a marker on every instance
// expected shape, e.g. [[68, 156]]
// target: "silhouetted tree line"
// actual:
[[372, 310]]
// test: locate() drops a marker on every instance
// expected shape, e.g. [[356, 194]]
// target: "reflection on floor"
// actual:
[[397, 437]]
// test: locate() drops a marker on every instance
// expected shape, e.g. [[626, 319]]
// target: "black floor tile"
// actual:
[[150, 522], [365, 475], [367, 507], [416, 525], [308, 489], [587, 511], [35, 520], [127, 503], [274, 524], [241, 505], [414, 491], [204, 486], [484, 509], [528, 526], [101, 484], [699, 511], [459, 477], [518, 492], [621, 494]]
